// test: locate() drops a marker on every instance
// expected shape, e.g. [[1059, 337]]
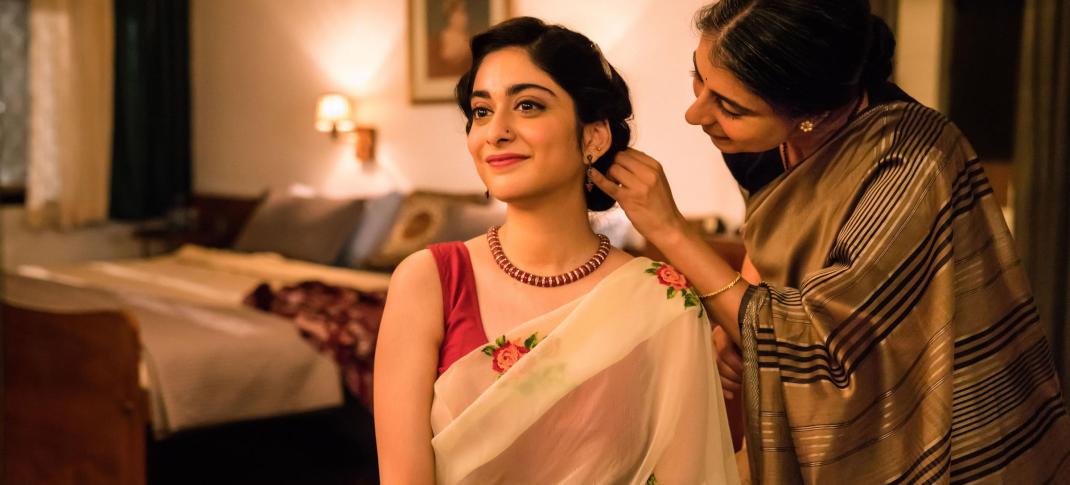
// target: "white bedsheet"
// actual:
[[201, 275]]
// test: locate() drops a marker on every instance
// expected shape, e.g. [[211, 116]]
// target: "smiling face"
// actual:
[[523, 137], [736, 119]]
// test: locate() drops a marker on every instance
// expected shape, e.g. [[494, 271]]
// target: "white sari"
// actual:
[[617, 386]]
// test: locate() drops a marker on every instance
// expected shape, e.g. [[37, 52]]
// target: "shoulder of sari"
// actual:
[[673, 284], [884, 134], [899, 123], [900, 272]]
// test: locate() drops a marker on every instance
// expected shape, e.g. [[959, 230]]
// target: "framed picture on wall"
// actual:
[[439, 32]]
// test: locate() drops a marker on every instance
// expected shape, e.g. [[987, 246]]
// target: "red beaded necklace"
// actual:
[[545, 281]]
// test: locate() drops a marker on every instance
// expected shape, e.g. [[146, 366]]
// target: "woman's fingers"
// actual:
[[729, 375], [644, 167], [632, 155], [608, 186], [624, 177], [730, 386], [645, 177], [732, 358], [728, 372], [729, 362], [643, 193], [727, 394]]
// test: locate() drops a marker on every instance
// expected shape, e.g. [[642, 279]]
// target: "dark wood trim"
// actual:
[[12, 195]]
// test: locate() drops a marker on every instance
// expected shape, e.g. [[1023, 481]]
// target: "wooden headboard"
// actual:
[[219, 218]]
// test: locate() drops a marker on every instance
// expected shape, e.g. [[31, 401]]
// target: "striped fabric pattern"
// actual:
[[894, 338]]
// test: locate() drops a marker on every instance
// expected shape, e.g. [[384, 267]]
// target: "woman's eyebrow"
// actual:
[[517, 88], [514, 90], [735, 105]]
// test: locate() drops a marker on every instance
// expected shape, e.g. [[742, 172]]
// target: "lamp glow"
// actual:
[[334, 114]]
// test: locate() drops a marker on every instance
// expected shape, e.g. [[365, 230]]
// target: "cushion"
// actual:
[[465, 220], [312, 229], [423, 218], [374, 228]]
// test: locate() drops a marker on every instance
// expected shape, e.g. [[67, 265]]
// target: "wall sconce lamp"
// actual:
[[334, 115]]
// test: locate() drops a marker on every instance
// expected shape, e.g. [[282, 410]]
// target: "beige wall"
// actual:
[[258, 66], [921, 47]]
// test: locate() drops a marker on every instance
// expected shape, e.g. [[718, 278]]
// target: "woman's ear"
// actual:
[[596, 138]]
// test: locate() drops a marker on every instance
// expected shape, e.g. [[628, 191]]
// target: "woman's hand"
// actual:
[[729, 362], [637, 182]]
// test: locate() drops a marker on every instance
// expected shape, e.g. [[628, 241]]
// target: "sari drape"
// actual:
[[894, 338], [618, 386]]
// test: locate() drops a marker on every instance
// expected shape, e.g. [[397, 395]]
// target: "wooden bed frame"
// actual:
[[73, 409]]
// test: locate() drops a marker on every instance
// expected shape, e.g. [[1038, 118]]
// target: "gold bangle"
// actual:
[[729, 286]]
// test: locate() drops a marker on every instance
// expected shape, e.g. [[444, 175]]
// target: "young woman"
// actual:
[[598, 371], [890, 335]]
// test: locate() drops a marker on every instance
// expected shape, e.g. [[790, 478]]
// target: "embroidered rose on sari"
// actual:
[[504, 354], [668, 276], [677, 285]]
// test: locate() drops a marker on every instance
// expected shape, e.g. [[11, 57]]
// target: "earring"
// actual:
[[486, 194], [590, 183], [806, 126]]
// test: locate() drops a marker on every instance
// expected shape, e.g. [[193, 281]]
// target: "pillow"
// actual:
[[375, 223], [308, 228], [423, 218], [465, 220]]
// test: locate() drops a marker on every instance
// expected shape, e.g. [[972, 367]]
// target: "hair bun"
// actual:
[[880, 57]]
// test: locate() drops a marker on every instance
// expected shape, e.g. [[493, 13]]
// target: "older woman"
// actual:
[[889, 335]]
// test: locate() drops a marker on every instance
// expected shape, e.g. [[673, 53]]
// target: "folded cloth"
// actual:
[[338, 320]]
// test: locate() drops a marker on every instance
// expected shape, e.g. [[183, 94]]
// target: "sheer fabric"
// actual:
[[618, 387]]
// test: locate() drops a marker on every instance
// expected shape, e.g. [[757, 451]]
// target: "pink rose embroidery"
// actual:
[[668, 276], [504, 354], [677, 285], [505, 357]]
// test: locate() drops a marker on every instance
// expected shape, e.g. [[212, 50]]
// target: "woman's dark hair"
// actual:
[[577, 65], [803, 57]]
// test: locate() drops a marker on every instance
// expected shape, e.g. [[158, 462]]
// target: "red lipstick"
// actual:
[[505, 159]]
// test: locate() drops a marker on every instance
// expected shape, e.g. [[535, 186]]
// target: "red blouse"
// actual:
[[460, 304]]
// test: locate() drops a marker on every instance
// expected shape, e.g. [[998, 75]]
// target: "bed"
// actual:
[[220, 340], [207, 357]]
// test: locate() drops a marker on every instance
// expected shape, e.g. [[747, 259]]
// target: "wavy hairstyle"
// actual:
[[577, 65]]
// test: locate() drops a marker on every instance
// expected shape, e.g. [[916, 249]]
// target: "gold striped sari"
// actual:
[[894, 338]]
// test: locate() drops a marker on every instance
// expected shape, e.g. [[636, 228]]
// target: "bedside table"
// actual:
[[163, 238]]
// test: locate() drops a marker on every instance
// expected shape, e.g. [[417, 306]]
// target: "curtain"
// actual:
[[151, 170], [71, 75], [1042, 166], [14, 56]]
